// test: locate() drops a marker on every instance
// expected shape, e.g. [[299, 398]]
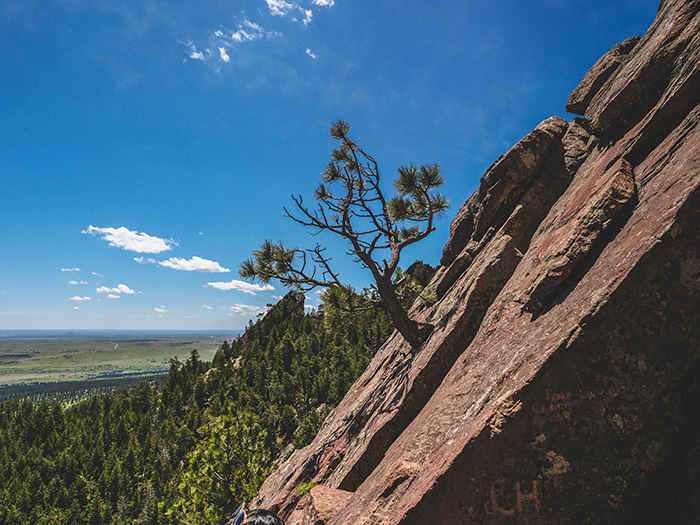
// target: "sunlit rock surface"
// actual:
[[561, 382]]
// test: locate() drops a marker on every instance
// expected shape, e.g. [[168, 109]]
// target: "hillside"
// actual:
[[560, 382], [192, 449]]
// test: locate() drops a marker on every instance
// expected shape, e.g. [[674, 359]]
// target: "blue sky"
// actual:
[[148, 146]]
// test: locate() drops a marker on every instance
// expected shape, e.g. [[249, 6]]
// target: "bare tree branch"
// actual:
[[363, 217]]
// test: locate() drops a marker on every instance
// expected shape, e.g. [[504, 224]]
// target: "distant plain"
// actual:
[[36, 361]]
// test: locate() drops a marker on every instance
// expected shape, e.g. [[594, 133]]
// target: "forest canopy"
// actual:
[[191, 450]]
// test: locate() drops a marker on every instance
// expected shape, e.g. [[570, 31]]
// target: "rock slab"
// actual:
[[560, 382]]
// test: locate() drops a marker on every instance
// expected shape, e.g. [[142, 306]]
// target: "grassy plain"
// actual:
[[40, 361]]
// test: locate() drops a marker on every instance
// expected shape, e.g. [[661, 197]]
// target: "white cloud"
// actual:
[[247, 32], [195, 264], [131, 240], [79, 298], [143, 260], [241, 36], [242, 286], [77, 282], [207, 307], [324, 3], [308, 52], [70, 269], [114, 296], [223, 39], [246, 309], [279, 7], [121, 289], [308, 15], [160, 310], [193, 52], [252, 25], [97, 274]]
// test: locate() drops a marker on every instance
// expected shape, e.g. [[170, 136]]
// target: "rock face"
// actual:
[[560, 384]]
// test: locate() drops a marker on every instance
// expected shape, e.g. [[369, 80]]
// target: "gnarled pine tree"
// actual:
[[377, 230]]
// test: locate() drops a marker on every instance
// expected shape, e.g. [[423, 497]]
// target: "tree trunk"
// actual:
[[414, 332]]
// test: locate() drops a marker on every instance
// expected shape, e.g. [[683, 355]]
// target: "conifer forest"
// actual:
[[192, 447]]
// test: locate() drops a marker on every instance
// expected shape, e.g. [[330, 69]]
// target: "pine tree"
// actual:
[[377, 229]]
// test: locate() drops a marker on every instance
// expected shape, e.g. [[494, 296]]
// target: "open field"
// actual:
[[38, 361]]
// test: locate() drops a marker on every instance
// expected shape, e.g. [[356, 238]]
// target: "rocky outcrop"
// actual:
[[319, 505], [560, 382], [598, 75]]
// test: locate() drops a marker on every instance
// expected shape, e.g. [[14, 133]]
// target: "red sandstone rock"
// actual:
[[322, 503], [666, 55], [398, 383], [501, 187], [588, 213], [560, 382], [598, 75]]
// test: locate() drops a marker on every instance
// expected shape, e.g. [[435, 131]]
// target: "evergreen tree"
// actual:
[[377, 229], [195, 446]]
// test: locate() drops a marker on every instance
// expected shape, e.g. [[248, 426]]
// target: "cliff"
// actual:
[[560, 384]]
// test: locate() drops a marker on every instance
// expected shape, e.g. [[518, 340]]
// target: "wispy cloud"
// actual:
[[279, 7], [131, 240], [308, 52], [160, 309], [77, 282], [193, 52], [79, 298], [308, 15], [195, 264], [222, 41], [242, 286], [246, 31], [70, 269], [207, 307], [282, 8], [121, 289], [246, 310]]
